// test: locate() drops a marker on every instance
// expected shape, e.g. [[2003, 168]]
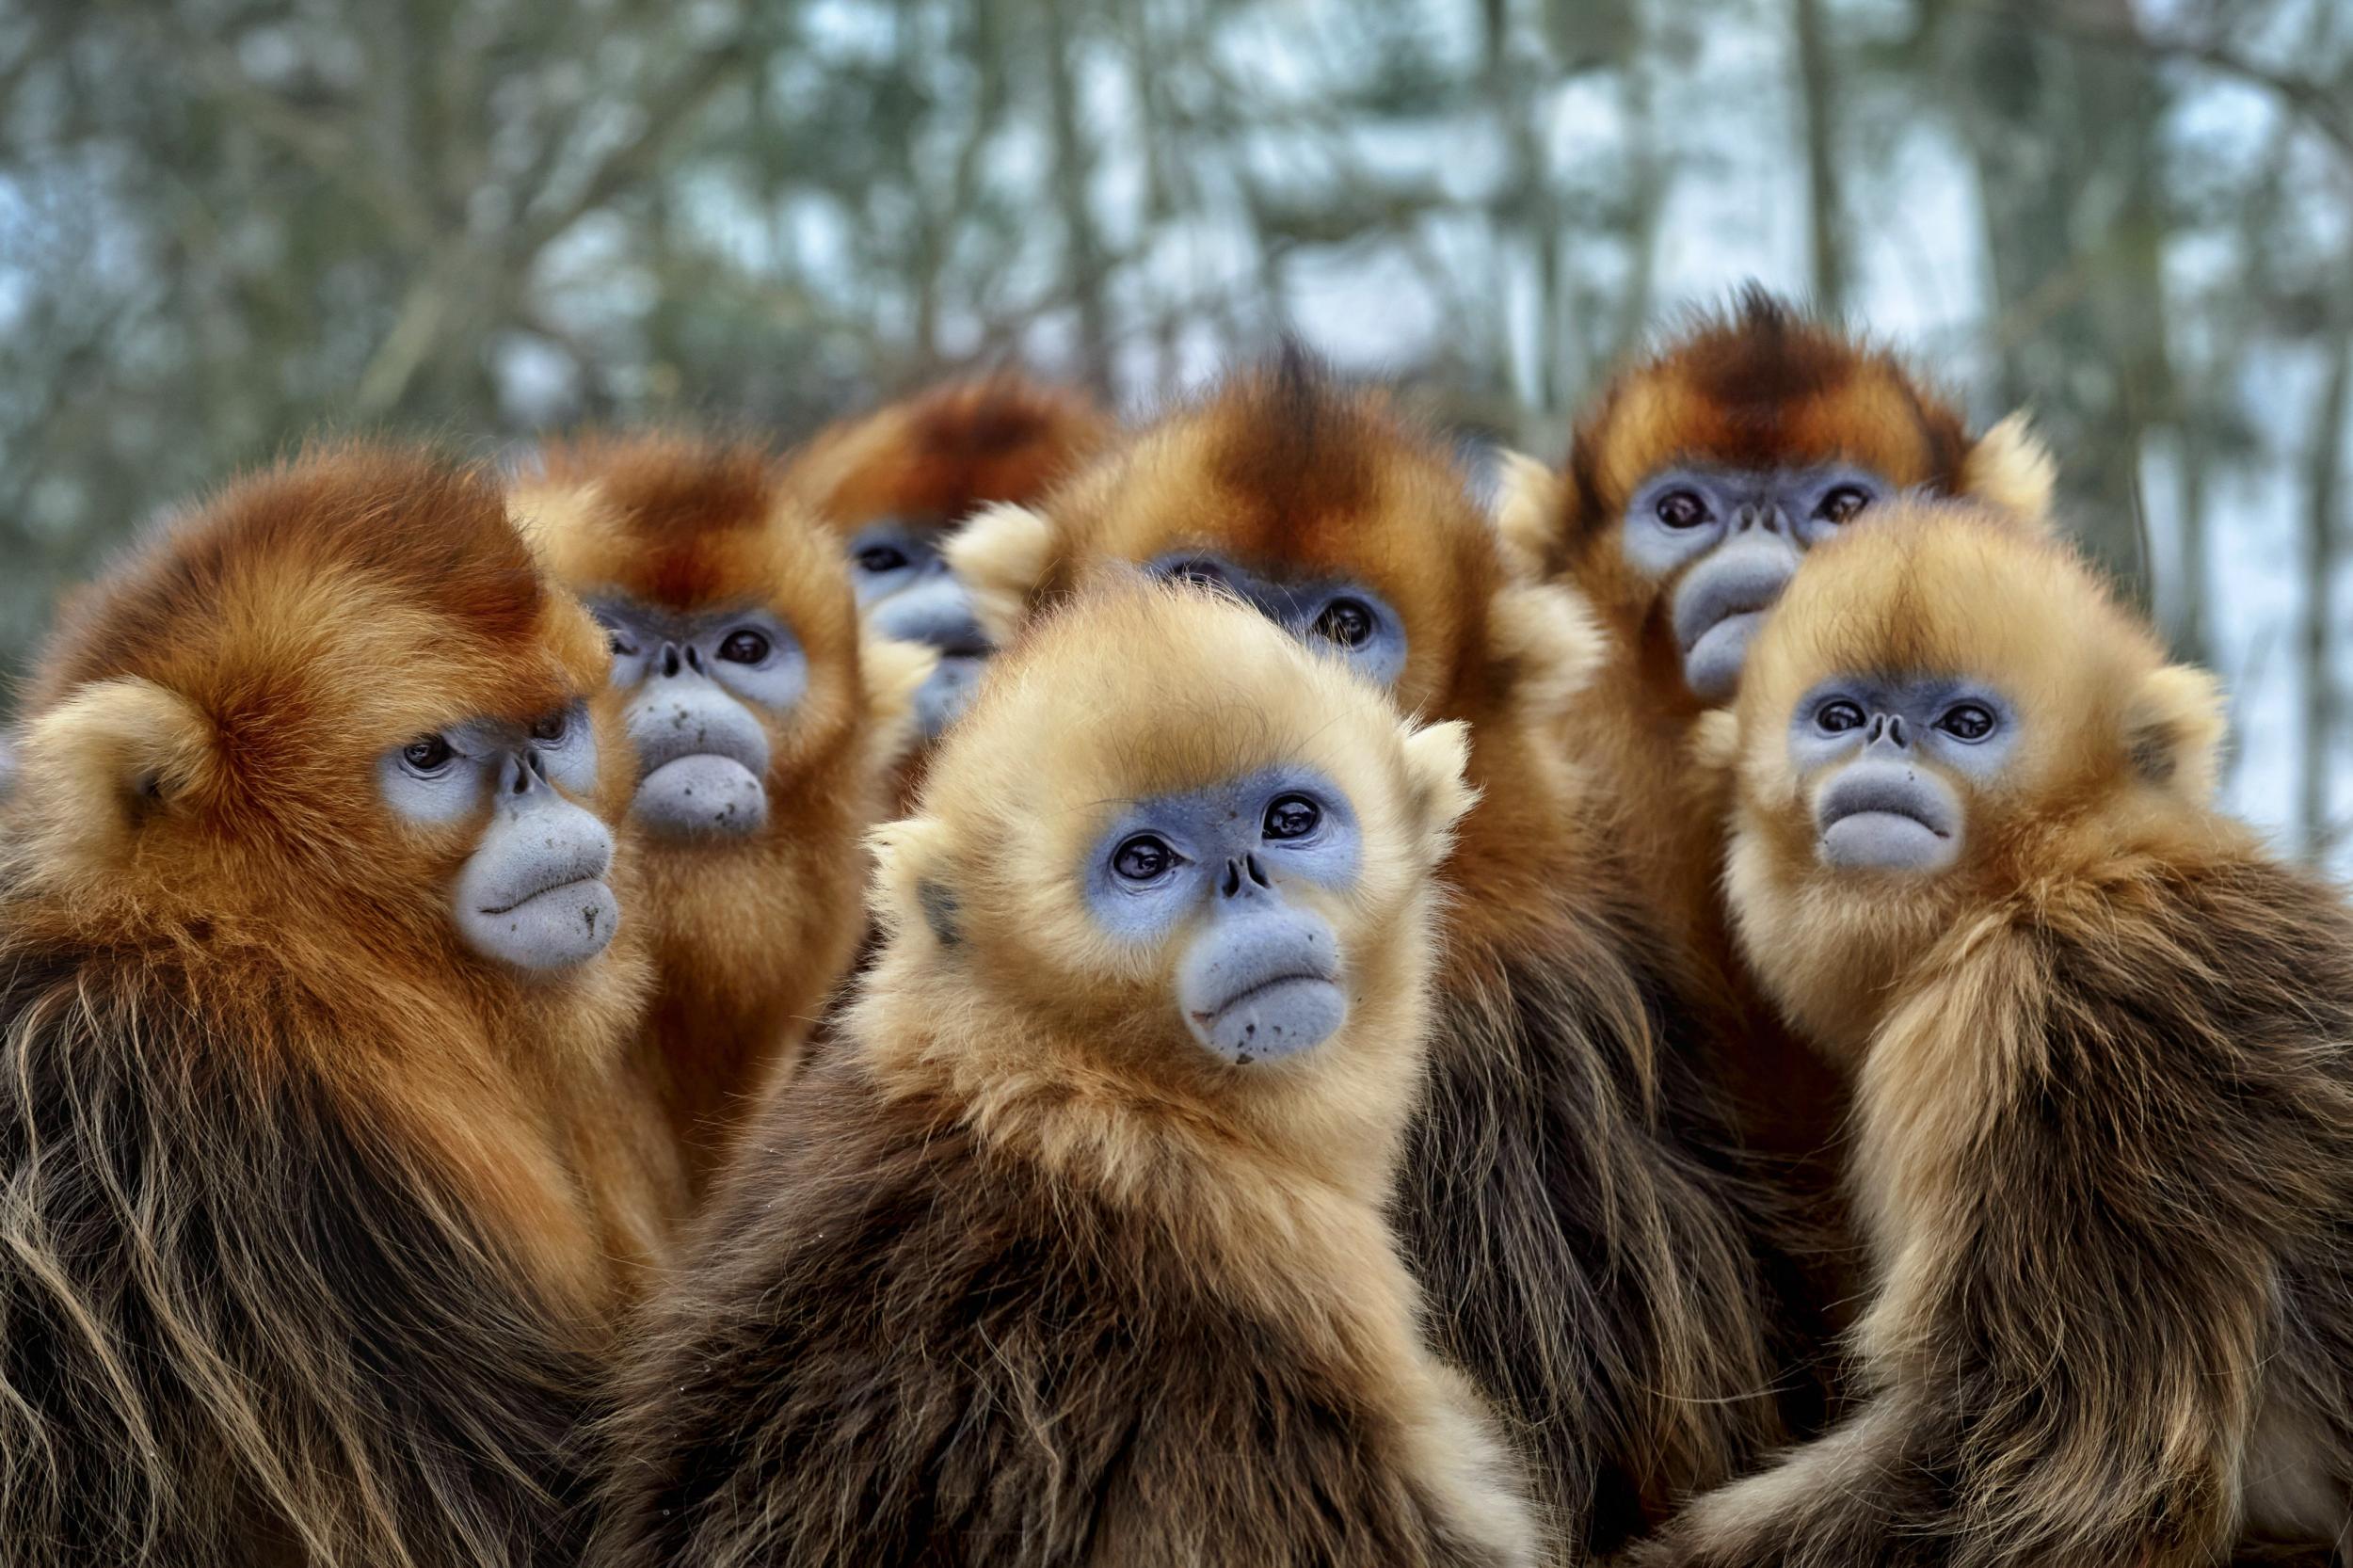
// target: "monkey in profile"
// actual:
[[1072, 1251], [766, 729], [1588, 1254], [325, 1169], [2104, 1104], [1696, 482], [897, 483]]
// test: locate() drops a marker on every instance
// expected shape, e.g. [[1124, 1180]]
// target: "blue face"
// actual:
[[1884, 749], [1261, 975], [907, 592], [702, 686], [1335, 615], [532, 892], [1735, 535]]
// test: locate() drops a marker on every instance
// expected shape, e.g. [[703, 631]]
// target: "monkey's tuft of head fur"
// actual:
[[932, 459], [1945, 711], [1183, 864]]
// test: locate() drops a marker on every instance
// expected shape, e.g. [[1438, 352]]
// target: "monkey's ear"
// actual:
[[2010, 467], [106, 760], [911, 885], [1716, 740], [892, 672], [1436, 756], [2174, 728], [1528, 500], [1001, 557], [1545, 637]]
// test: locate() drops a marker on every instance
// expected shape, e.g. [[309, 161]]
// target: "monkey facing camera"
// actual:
[[2103, 1047], [1109, 1133], [765, 728]]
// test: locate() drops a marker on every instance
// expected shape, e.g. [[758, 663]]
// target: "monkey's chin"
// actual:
[[1712, 666], [555, 929], [701, 796], [1886, 842], [1281, 1017]]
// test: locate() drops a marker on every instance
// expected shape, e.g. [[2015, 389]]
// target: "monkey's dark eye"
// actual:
[[552, 728], [1839, 717], [1681, 510], [1966, 721], [1345, 621], [430, 754], [1143, 857], [1841, 503], [881, 558], [745, 646], [1292, 817]]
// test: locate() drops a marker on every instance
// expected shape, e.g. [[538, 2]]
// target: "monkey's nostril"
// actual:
[[1257, 872], [1232, 884], [669, 658]]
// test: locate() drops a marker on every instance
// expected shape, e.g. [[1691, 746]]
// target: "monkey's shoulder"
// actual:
[[912, 1342]]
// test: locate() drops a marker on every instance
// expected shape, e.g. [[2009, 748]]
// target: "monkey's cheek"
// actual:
[[947, 692], [1887, 842], [556, 930], [1712, 667], [1281, 1018], [701, 796]]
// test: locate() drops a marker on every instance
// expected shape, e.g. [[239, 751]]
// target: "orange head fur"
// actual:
[[998, 973], [207, 720], [2108, 750], [932, 459]]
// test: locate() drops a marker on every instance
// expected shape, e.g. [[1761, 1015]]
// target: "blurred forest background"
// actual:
[[223, 222]]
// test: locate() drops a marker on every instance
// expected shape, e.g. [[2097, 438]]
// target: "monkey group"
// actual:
[[1010, 987]]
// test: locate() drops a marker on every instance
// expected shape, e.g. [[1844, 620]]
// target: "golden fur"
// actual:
[[1024, 1275], [2104, 1098], [932, 459], [311, 1220], [1591, 1261], [749, 935]]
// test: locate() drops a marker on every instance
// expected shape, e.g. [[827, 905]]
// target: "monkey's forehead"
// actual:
[[1849, 408], [1140, 689], [1930, 588]]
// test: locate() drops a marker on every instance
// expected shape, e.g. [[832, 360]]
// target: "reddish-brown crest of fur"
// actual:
[[316, 1216], [749, 935], [2103, 1092], [1586, 1259], [932, 459]]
